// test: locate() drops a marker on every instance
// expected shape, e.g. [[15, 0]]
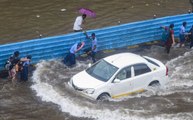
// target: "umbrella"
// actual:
[[88, 12]]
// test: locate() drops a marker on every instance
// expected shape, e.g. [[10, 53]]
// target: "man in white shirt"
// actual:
[[78, 23]]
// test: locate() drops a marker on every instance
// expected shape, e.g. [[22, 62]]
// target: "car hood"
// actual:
[[84, 80]]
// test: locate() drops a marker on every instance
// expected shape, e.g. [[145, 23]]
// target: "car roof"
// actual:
[[124, 59]]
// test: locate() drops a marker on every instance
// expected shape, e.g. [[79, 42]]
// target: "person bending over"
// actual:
[[70, 58]]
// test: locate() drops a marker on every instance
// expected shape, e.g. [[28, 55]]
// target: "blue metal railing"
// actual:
[[108, 38]]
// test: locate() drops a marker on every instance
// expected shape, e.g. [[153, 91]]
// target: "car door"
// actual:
[[121, 84], [142, 76]]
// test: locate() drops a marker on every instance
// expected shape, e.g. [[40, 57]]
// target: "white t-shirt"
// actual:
[[78, 23]]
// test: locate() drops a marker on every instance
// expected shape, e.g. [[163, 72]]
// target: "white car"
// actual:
[[119, 75]]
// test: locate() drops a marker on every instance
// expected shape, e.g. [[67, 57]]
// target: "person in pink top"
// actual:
[[170, 40]]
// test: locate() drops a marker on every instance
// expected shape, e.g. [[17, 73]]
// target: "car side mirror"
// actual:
[[117, 80]]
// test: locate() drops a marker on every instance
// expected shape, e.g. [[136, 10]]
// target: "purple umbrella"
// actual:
[[87, 12]]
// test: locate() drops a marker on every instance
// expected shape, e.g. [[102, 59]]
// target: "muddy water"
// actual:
[[173, 101], [47, 96], [24, 20]]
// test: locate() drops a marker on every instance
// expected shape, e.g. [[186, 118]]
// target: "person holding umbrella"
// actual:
[[78, 23], [81, 19]]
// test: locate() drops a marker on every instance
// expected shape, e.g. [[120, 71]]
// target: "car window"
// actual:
[[102, 70], [141, 69], [124, 73]]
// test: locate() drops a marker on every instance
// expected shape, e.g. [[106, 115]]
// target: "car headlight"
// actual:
[[89, 91]]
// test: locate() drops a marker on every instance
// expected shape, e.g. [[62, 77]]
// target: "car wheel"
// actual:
[[154, 84], [103, 97], [154, 87]]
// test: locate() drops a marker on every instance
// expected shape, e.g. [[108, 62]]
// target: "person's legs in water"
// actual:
[[10, 72], [90, 53], [72, 59], [10, 75], [25, 72], [191, 41], [13, 74], [66, 58], [87, 50], [93, 56], [191, 44], [168, 48], [21, 75], [182, 40]]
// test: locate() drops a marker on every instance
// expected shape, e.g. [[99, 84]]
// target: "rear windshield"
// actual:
[[152, 62]]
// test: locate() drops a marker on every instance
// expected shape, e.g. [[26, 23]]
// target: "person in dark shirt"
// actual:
[[191, 37], [25, 62], [170, 41]]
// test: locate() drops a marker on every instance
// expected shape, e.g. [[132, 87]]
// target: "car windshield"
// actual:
[[102, 70]]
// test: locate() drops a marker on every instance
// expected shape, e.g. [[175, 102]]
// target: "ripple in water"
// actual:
[[50, 82]]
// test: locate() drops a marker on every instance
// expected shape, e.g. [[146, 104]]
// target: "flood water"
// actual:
[[46, 95]]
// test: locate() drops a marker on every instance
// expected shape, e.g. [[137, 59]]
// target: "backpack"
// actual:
[[7, 64], [12, 61], [165, 34]]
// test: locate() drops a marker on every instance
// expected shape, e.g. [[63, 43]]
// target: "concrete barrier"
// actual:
[[108, 38]]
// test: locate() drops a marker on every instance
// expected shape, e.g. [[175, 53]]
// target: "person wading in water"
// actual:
[[170, 41]]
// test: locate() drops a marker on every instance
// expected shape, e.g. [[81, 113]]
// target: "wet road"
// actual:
[[47, 96], [174, 101]]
